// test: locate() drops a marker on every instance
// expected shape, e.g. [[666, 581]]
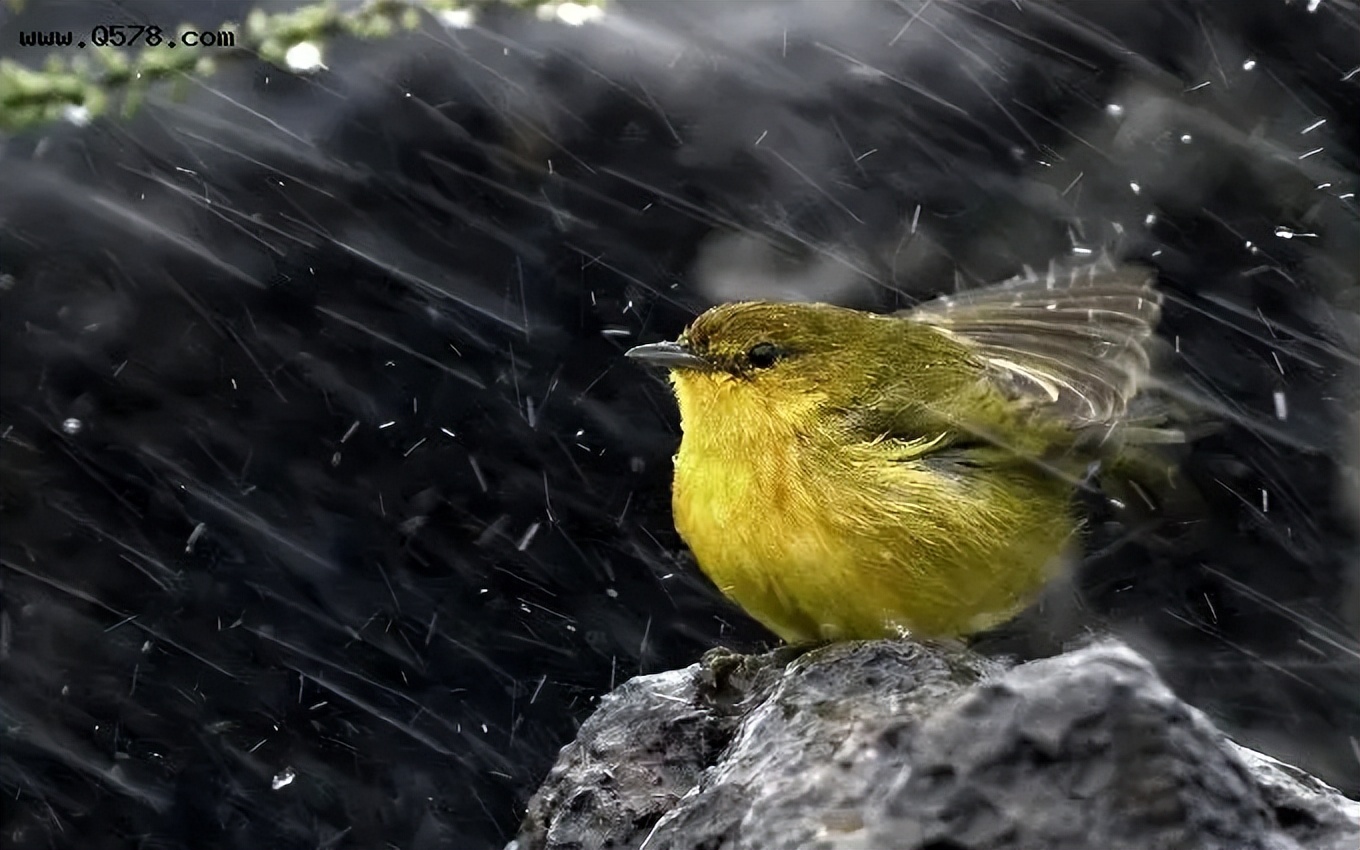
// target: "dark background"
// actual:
[[319, 458]]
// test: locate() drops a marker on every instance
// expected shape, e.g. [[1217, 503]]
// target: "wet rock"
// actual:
[[896, 745]]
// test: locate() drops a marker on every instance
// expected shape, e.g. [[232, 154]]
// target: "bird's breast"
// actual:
[[751, 496], [751, 499], [817, 535]]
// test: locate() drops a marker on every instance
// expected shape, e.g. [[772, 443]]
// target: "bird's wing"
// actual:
[[1074, 345]]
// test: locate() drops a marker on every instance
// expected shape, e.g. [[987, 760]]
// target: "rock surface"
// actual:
[[895, 745]]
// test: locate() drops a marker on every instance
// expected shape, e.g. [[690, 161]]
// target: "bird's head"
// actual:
[[787, 356]]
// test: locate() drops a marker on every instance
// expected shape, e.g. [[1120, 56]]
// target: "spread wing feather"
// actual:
[[1074, 343]]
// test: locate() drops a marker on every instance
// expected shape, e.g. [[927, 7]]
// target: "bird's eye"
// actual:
[[763, 355]]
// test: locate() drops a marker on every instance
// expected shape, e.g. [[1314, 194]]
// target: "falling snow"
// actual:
[[331, 509]]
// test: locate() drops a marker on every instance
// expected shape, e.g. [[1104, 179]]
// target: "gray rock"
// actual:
[[896, 745]]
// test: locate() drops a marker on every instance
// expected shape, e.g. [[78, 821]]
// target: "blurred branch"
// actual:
[[84, 84]]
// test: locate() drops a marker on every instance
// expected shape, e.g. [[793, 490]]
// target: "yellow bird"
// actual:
[[848, 475]]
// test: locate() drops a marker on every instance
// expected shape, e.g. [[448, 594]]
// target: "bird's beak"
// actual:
[[668, 355]]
